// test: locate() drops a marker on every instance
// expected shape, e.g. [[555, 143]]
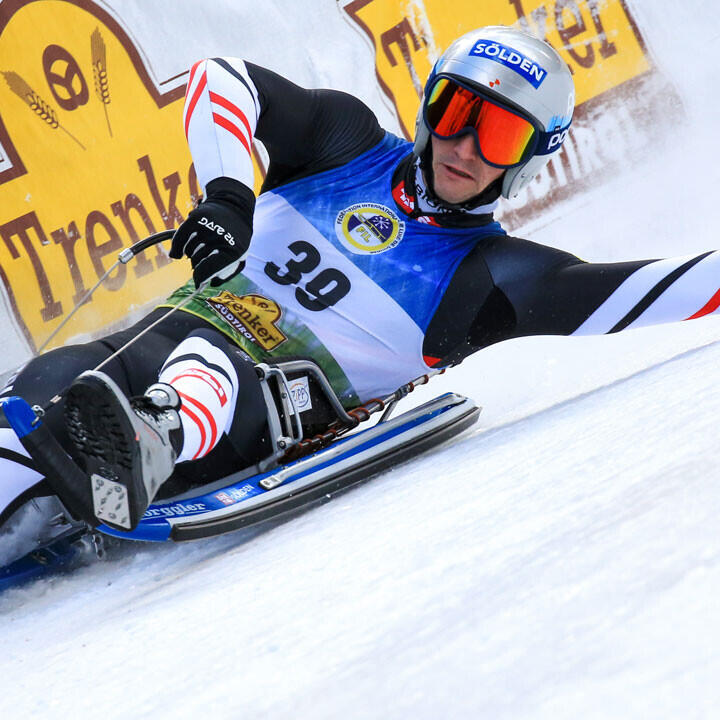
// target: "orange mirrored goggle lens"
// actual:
[[503, 136]]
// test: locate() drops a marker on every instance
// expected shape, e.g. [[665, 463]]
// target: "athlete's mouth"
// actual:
[[456, 171]]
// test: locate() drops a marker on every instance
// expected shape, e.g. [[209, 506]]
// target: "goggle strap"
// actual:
[[549, 142]]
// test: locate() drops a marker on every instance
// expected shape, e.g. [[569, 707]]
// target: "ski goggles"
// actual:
[[504, 137]]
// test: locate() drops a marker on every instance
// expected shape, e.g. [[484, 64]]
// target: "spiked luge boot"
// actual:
[[127, 447]]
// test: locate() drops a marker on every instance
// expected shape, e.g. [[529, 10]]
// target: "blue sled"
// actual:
[[249, 497]]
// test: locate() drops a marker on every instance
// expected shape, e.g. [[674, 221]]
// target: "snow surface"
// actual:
[[562, 560]]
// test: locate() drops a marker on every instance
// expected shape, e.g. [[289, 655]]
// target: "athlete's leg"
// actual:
[[51, 373], [128, 448], [220, 394]]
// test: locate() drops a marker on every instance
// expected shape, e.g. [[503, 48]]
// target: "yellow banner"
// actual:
[[597, 38], [92, 158]]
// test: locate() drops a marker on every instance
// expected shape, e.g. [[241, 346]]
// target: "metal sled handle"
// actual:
[[141, 245], [124, 257]]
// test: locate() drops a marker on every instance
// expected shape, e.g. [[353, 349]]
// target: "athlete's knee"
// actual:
[[203, 347], [48, 374], [203, 372]]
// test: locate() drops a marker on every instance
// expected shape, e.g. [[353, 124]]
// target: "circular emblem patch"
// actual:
[[367, 228]]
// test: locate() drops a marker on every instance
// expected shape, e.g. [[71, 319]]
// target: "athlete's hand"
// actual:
[[216, 235]]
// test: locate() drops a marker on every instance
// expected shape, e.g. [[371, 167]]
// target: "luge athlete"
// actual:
[[373, 256]]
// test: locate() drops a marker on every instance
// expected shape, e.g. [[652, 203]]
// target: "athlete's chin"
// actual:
[[451, 187], [449, 192]]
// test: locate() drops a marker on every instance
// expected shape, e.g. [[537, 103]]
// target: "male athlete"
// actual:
[[376, 257]]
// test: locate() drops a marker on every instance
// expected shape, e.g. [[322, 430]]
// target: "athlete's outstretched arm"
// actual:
[[572, 297], [229, 102]]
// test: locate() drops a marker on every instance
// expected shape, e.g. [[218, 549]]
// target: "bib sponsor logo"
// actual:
[[367, 228], [252, 316], [521, 64]]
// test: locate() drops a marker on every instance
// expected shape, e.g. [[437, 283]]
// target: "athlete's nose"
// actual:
[[465, 147]]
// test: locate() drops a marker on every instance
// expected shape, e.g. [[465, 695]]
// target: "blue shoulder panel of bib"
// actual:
[[353, 208]]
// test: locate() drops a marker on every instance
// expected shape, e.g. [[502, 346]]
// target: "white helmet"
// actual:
[[520, 71]]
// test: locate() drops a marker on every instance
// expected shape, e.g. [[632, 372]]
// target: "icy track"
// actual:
[[562, 560]]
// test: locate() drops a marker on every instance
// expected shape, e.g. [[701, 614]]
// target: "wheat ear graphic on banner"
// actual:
[[99, 63], [36, 103]]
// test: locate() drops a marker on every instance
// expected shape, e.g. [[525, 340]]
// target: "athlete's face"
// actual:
[[458, 171]]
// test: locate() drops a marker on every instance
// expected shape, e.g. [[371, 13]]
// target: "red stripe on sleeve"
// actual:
[[234, 109], [712, 305], [193, 102], [225, 123], [193, 70]]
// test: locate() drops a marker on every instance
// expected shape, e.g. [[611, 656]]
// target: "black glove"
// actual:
[[216, 235]]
